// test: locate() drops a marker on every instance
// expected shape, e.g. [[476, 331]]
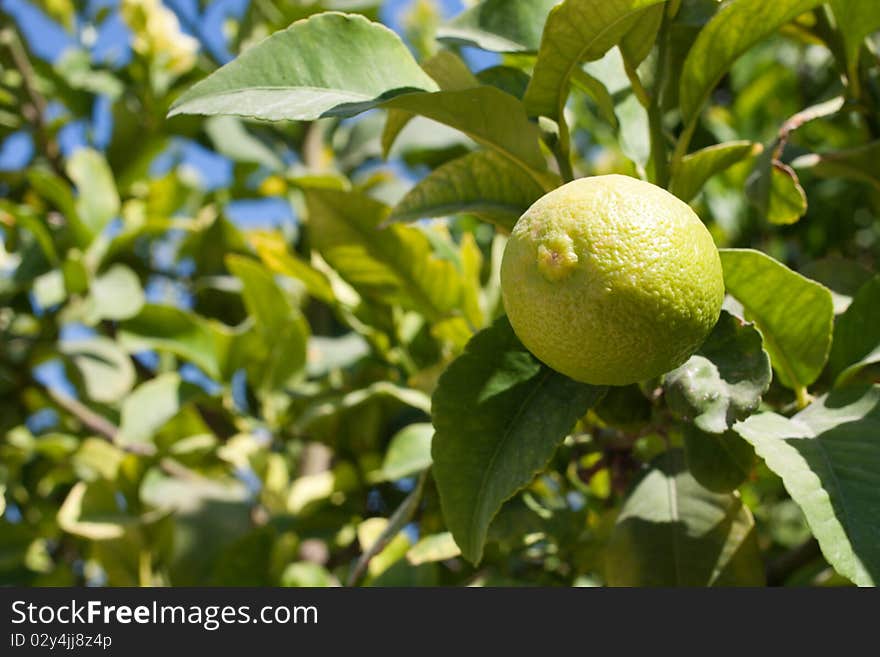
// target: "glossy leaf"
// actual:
[[577, 31], [331, 64], [723, 382], [794, 314], [673, 532], [499, 415], [828, 457], [696, 168], [735, 28], [482, 183], [499, 25]]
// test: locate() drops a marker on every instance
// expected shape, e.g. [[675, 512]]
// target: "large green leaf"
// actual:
[[499, 25], [696, 168], [499, 414], [487, 115], [97, 201], [723, 382], [106, 370], [483, 183], [855, 19], [673, 532], [735, 28], [395, 264], [794, 314], [828, 456], [577, 31], [331, 64], [857, 333]]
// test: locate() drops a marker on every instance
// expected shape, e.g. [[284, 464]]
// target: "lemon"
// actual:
[[611, 280]]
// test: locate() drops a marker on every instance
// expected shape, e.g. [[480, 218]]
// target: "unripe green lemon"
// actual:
[[611, 280]]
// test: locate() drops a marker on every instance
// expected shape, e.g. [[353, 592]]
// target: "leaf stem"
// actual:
[[802, 396], [659, 153], [562, 149]]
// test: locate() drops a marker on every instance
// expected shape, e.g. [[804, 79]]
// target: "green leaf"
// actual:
[[275, 256], [487, 115], [594, 88], [673, 532], [482, 183], [860, 163], [735, 28], [794, 314], [436, 547], [116, 295], [97, 201], [843, 277], [828, 457], [718, 461], [203, 342], [855, 20], [857, 334], [577, 31], [775, 190], [511, 80], [450, 73], [107, 371], [636, 44], [91, 511], [409, 451], [151, 405], [283, 330], [229, 137], [499, 415], [696, 168], [331, 64], [395, 264], [723, 382], [499, 25]]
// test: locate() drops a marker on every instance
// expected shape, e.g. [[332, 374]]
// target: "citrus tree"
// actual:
[[337, 396]]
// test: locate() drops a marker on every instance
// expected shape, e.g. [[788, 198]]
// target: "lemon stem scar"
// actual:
[[557, 258]]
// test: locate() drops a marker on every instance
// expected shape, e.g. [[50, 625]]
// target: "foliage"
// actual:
[[331, 394]]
